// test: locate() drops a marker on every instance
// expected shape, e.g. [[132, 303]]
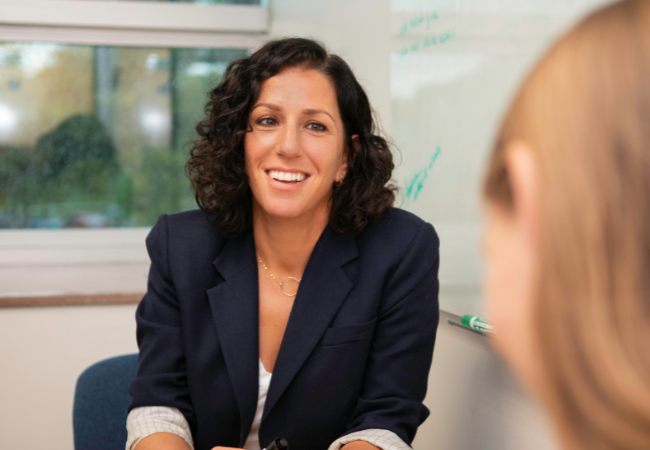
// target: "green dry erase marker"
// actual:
[[477, 323]]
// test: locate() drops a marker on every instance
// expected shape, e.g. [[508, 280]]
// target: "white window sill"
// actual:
[[72, 266]]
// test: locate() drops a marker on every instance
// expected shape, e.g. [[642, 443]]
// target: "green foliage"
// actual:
[[17, 186], [76, 174], [70, 170], [82, 141], [73, 172], [160, 186]]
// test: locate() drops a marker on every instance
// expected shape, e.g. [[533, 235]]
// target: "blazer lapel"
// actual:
[[235, 309], [323, 289]]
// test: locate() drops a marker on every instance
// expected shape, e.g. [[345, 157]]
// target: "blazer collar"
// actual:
[[234, 306], [235, 309]]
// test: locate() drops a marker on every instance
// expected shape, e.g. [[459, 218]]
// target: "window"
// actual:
[[95, 136], [98, 100]]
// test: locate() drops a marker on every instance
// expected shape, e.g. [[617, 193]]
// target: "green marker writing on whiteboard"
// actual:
[[477, 323]]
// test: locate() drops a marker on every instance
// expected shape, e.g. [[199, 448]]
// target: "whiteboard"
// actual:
[[455, 65]]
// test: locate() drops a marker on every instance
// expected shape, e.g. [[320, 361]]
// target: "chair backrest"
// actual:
[[100, 404]]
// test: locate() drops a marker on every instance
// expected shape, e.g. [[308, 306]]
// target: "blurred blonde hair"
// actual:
[[585, 112]]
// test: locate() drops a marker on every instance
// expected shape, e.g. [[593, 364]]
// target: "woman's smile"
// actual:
[[289, 177], [286, 179]]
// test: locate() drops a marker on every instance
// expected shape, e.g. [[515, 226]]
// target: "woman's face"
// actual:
[[512, 266], [296, 149]]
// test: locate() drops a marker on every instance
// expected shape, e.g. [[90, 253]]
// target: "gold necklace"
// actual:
[[281, 283]]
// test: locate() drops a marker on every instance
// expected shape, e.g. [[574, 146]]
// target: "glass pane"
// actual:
[[97, 136]]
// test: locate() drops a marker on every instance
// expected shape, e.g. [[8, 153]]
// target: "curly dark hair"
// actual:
[[216, 167]]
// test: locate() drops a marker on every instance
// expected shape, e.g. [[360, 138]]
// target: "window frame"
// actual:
[[69, 252], [136, 15]]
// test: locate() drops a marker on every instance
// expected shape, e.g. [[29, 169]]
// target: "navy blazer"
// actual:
[[355, 355]]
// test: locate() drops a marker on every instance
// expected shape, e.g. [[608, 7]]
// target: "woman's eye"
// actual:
[[314, 126], [266, 121]]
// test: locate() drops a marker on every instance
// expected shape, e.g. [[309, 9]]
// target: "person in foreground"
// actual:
[[568, 240], [298, 303]]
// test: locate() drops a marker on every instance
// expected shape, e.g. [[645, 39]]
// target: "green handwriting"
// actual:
[[416, 183], [428, 41], [417, 22]]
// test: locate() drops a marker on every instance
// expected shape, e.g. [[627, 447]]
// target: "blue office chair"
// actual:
[[100, 404]]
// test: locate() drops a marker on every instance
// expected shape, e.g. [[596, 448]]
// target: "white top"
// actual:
[[253, 439], [147, 420]]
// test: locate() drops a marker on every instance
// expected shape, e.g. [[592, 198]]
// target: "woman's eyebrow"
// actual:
[[268, 105], [308, 112], [311, 112]]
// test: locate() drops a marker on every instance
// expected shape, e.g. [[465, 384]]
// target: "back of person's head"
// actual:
[[584, 112]]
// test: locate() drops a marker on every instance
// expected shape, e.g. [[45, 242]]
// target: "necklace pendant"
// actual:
[[282, 286], [281, 283]]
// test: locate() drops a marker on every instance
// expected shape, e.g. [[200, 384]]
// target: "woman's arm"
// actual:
[[162, 441], [146, 421], [395, 382], [160, 390], [372, 439], [359, 445]]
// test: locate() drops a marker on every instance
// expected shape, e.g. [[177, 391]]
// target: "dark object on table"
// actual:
[[278, 444]]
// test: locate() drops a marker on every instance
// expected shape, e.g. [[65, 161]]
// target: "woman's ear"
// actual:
[[348, 156], [523, 177], [355, 147]]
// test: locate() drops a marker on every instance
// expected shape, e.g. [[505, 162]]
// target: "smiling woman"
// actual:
[[241, 104], [319, 321]]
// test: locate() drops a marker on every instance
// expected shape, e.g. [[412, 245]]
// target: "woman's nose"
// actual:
[[289, 145]]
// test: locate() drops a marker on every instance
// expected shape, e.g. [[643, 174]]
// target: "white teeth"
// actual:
[[286, 176]]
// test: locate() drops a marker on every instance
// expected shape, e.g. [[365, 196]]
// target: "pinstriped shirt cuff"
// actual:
[[384, 439], [147, 420]]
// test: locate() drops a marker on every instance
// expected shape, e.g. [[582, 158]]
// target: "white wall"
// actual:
[[42, 352], [356, 30]]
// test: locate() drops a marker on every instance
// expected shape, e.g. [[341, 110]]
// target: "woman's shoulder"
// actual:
[[400, 217], [188, 229], [401, 247], [193, 217], [191, 221], [398, 222], [397, 230]]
